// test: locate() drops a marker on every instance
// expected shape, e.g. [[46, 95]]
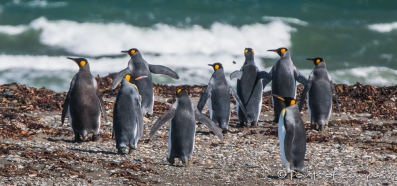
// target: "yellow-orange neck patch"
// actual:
[[179, 91]]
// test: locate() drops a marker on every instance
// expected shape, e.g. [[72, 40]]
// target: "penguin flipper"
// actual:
[[119, 76], [308, 85], [236, 74], [336, 95], [65, 106], [204, 97], [240, 103], [263, 75], [159, 69], [208, 122], [299, 77], [163, 119], [138, 112], [266, 81]]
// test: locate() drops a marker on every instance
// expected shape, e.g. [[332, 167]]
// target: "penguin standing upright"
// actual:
[[249, 88], [319, 100], [182, 130], [292, 136], [127, 116], [218, 96], [283, 76], [83, 103], [137, 66]]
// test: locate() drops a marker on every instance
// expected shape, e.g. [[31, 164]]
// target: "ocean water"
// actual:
[[357, 38]]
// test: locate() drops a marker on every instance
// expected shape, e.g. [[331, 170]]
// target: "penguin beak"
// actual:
[[310, 59], [140, 77], [72, 59], [272, 50], [210, 65], [278, 97], [125, 51]]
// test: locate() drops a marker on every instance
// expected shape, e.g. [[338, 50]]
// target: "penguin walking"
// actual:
[[319, 100], [127, 116], [182, 130], [218, 96], [249, 89], [83, 103], [283, 76], [292, 136], [137, 66]]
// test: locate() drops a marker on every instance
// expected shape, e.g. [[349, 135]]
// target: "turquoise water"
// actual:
[[356, 38]]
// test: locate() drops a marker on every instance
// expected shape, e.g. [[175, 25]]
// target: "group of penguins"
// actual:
[[135, 99]]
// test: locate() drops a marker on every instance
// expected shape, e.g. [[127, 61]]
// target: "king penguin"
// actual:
[[319, 100], [249, 89], [218, 96], [83, 103], [127, 116], [137, 66], [182, 130], [292, 136], [283, 76]]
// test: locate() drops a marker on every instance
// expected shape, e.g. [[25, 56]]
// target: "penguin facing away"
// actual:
[[283, 76], [217, 95], [137, 66], [83, 103], [292, 136], [320, 89], [249, 88], [183, 115], [127, 116]]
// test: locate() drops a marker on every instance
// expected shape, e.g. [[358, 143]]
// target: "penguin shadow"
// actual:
[[93, 151], [66, 140]]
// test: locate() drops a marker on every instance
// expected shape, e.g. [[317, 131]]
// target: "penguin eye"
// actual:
[[82, 63], [282, 51], [179, 91], [245, 51], [292, 102], [132, 52], [128, 77]]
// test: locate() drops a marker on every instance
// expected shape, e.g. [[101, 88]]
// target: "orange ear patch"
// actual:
[[132, 52], [292, 102], [128, 77], [82, 63], [282, 51]]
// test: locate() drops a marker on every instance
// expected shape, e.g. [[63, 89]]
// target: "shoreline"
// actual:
[[361, 142]]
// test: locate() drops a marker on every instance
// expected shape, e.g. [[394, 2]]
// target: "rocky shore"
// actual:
[[359, 147]]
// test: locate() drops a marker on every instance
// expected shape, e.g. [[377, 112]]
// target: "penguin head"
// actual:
[[249, 53], [80, 61], [280, 51], [128, 78], [288, 101], [131, 51], [181, 92], [216, 66], [316, 60]]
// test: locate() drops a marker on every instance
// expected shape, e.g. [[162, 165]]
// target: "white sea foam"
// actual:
[[286, 20], [12, 30], [97, 39], [40, 4], [383, 27]]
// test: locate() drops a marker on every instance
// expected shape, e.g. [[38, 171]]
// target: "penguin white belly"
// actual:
[[135, 135], [99, 124], [281, 137], [308, 109], [209, 104], [259, 109], [237, 107]]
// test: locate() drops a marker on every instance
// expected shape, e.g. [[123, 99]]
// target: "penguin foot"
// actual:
[[224, 131], [254, 124], [241, 125], [122, 150], [171, 160], [95, 137], [188, 162], [322, 128], [77, 138]]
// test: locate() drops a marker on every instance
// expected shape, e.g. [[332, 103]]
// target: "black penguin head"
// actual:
[[280, 51], [181, 92], [249, 53], [288, 101], [131, 51], [316, 60], [216, 66], [80, 61]]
